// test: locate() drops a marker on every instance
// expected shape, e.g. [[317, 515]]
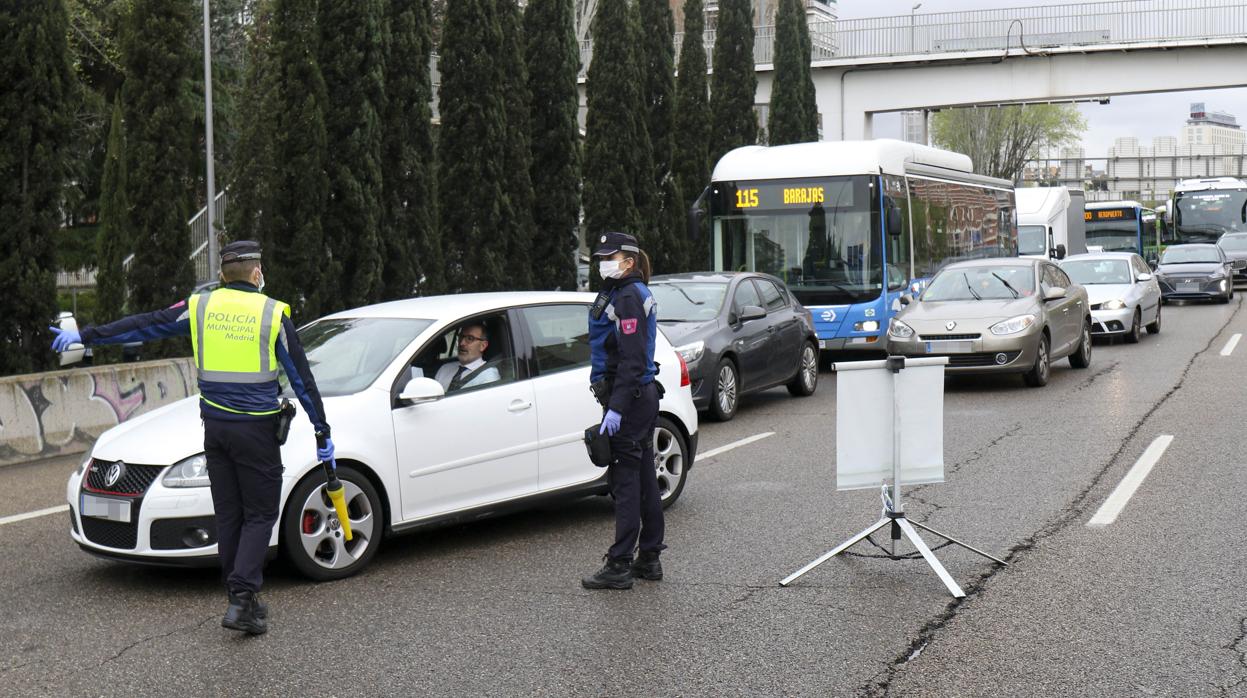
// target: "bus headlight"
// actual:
[[866, 326], [1013, 325], [1114, 305], [691, 352], [900, 330]]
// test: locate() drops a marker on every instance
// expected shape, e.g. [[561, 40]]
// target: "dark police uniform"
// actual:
[[232, 329], [622, 333]]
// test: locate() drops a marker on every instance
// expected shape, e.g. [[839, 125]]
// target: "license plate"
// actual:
[[1188, 288], [105, 508], [950, 347]]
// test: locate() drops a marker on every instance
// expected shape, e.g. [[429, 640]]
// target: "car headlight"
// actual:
[[86, 460], [192, 472], [1114, 305], [1217, 276], [1013, 325], [691, 352], [866, 326], [900, 330]]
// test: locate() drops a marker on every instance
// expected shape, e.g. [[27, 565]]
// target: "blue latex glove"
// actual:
[[610, 423], [64, 338], [325, 453]]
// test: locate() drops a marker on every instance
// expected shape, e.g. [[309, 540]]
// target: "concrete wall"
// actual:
[[62, 412]]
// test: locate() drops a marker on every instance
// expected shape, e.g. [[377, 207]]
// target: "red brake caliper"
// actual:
[[309, 522]]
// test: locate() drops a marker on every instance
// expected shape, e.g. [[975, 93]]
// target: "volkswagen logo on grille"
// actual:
[[115, 471], [950, 325]]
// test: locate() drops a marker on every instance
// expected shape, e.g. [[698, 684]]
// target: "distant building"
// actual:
[[914, 126], [1211, 128], [763, 12]]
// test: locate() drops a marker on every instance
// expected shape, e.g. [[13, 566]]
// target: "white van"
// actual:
[[1045, 227]]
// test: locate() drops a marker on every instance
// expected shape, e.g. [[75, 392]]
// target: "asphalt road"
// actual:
[[1151, 604]]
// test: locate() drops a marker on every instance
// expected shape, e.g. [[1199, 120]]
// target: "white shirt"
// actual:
[[447, 372]]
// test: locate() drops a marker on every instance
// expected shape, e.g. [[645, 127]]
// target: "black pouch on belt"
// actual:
[[599, 446], [285, 416]]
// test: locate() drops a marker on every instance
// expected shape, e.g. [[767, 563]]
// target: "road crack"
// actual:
[[175, 631], [881, 683], [1095, 376]]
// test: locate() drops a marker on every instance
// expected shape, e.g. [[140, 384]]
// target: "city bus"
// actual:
[[1205, 209], [1120, 226], [850, 226]]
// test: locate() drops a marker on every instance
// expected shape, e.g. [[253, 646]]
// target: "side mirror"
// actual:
[[906, 299], [892, 216], [1145, 277], [1054, 293], [1239, 264], [420, 390], [751, 312], [76, 352], [695, 215], [1060, 251]]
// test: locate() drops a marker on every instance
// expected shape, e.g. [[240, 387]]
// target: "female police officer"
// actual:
[[622, 326]]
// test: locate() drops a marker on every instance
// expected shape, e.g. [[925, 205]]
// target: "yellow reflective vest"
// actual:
[[234, 334]]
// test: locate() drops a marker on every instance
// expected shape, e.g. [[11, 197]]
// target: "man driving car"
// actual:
[[471, 369]]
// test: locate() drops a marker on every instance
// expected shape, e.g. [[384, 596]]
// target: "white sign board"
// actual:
[[866, 424]]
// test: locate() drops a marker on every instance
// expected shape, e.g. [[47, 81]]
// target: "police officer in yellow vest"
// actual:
[[240, 336]]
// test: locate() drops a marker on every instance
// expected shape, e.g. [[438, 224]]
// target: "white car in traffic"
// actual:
[[409, 454], [1122, 291]]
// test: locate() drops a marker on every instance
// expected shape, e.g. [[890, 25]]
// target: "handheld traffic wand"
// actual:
[[337, 494]]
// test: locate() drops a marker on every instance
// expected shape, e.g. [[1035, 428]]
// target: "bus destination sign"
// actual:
[[1110, 214], [758, 195]]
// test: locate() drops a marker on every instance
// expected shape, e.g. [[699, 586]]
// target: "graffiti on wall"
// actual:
[[65, 411]]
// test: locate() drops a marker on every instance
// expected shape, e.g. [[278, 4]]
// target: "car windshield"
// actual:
[[1098, 271], [347, 354], [688, 301], [1236, 243], [1032, 239], [981, 283], [1183, 254]]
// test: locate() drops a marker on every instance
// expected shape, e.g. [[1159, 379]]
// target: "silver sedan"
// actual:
[[1122, 290]]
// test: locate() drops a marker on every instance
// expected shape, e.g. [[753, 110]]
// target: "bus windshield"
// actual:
[[1113, 229], [820, 236], [1032, 239], [1203, 216]]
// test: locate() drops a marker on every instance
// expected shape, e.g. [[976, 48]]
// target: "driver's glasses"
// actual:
[[468, 338]]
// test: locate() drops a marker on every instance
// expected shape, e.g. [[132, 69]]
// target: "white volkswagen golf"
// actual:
[[410, 454]]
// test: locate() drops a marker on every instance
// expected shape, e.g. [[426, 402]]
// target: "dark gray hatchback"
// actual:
[[739, 332]]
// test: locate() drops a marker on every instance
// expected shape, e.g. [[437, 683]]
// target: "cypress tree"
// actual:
[[517, 202], [657, 67], [160, 149], [298, 188], [248, 216], [611, 139], [644, 187], [413, 251], [112, 241], [470, 146], [553, 61], [794, 113], [734, 84], [692, 124], [36, 83], [351, 62]]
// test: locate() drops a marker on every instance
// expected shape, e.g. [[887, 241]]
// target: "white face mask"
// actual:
[[609, 269], [260, 284]]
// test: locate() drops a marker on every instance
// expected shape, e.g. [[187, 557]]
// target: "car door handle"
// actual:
[[519, 405]]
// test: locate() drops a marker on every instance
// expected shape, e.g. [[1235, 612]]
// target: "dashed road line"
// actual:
[[1125, 489], [33, 514], [735, 444], [1229, 346]]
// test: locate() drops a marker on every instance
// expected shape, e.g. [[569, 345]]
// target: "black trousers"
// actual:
[[244, 465], [634, 480]]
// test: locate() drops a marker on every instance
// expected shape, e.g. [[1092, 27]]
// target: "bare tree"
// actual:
[[1000, 140]]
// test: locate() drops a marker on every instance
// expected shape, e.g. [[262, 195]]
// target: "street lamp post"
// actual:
[[213, 254], [912, 11]]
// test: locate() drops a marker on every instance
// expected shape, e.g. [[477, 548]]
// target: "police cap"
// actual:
[[610, 243], [240, 251]]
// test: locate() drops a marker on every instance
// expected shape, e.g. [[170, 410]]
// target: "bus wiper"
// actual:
[[1009, 286], [970, 288]]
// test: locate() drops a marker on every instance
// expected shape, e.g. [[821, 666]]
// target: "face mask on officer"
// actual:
[[259, 282], [613, 268]]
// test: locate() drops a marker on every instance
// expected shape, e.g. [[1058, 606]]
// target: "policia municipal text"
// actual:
[[239, 335], [623, 325]]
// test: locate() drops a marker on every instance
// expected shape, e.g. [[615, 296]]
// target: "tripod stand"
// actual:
[[894, 512]]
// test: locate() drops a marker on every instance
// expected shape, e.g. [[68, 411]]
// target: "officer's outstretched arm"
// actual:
[[173, 321], [633, 340]]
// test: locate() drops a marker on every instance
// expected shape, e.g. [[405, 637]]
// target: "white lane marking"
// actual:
[[33, 514], [1116, 501], [735, 444], [1229, 346]]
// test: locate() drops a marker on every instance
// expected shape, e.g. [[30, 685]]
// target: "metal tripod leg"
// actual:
[[929, 556], [835, 551], [954, 541]]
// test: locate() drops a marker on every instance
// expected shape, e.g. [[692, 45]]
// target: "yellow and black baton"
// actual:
[[336, 492]]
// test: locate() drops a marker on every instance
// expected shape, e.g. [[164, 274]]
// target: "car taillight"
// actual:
[[683, 372]]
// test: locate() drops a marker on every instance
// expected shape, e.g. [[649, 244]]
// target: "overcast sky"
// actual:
[[1141, 116]]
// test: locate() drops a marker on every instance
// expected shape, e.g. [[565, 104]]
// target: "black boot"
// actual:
[[242, 614], [647, 567], [261, 608], [615, 574]]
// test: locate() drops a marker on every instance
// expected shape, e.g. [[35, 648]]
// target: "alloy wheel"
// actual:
[[320, 532], [668, 460], [809, 368], [727, 389]]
